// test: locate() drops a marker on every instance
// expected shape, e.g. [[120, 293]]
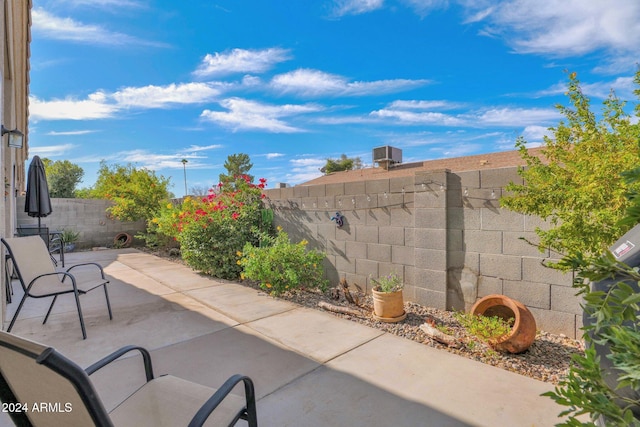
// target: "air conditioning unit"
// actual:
[[387, 156]]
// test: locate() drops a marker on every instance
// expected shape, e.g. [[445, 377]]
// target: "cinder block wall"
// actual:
[[85, 216], [443, 232]]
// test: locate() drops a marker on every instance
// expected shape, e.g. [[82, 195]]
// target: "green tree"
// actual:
[[62, 177], [615, 325], [576, 184], [344, 163], [237, 165], [137, 193]]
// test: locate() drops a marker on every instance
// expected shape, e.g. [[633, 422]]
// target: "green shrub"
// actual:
[[280, 266]]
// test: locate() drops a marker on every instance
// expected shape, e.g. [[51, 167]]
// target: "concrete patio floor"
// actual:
[[310, 368]]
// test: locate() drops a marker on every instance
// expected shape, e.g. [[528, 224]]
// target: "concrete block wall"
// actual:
[[444, 233], [85, 216]]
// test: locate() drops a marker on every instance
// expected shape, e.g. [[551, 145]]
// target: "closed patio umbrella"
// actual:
[[38, 201]]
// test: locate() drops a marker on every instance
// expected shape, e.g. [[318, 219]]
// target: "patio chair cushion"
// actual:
[[169, 401]]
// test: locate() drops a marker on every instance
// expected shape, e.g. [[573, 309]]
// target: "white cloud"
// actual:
[[567, 28], [513, 117], [412, 113], [535, 134], [274, 155], [243, 114], [355, 7], [103, 105], [241, 61], [418, 118], [96, 106], [51, 150], [305, 169], [155, 161], [307, 82], [47, 25], [423, 105], [163, 96], [423, 7], [112, 5], [197, 148], [71, 132]]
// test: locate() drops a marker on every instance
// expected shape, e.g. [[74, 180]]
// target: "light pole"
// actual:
[[184, 166]]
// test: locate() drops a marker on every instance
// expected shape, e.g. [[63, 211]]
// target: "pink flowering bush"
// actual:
[[213, 228]]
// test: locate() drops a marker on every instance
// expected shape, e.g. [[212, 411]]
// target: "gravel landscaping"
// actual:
[[546, 360]]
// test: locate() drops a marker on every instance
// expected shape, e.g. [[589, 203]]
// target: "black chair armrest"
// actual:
[[146, 358], [87, 263], [212, 403], [64, 275]]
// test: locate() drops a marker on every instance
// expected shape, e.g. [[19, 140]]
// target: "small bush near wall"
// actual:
[[280, 266]]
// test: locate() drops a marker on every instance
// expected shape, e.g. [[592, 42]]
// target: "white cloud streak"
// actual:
[[51, 150], [412, 113], [47, 25], [241, 61], [164, 96], [103, 105], [355, 7], [312, 83], [244, 114]]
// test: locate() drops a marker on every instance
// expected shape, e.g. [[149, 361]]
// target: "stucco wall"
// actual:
[[443, 232], [85, 216]]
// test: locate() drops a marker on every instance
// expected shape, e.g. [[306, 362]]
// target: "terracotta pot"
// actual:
[[388, 306], [523, 332]]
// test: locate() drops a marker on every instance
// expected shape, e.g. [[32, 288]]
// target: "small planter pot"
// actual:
[[523, 332], [388, 306]]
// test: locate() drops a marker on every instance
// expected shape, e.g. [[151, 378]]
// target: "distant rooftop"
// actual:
[[501, 159]]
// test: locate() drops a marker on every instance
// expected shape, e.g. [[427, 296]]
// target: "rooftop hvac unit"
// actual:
[[387, 156]]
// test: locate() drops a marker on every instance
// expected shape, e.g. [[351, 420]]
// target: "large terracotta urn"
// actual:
[[523, 332]]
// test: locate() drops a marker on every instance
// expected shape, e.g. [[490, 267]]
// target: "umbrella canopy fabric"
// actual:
[[38, 201]]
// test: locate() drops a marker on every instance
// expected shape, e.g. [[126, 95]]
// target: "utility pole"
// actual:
[[184, 166]]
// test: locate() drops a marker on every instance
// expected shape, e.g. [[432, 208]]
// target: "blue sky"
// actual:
[[292, 83]]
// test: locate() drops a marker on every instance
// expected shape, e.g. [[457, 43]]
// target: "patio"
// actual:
[[309, 367]]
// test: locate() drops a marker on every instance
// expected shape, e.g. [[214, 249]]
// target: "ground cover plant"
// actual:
[[278, 265]]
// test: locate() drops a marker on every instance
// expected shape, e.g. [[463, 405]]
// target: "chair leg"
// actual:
[[55, 297], [106, 295], [84, 331], [15, 316]]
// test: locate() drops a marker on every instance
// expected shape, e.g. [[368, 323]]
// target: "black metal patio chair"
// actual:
[[34, 374], [39, 278]]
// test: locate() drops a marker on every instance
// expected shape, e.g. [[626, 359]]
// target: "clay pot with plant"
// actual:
[[388, 301], [523, 330]]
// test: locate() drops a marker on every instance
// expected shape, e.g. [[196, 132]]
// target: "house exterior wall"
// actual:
[[15, 36], [444, 233]]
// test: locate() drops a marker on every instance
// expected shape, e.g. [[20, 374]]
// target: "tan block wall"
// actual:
[[443, 232]]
